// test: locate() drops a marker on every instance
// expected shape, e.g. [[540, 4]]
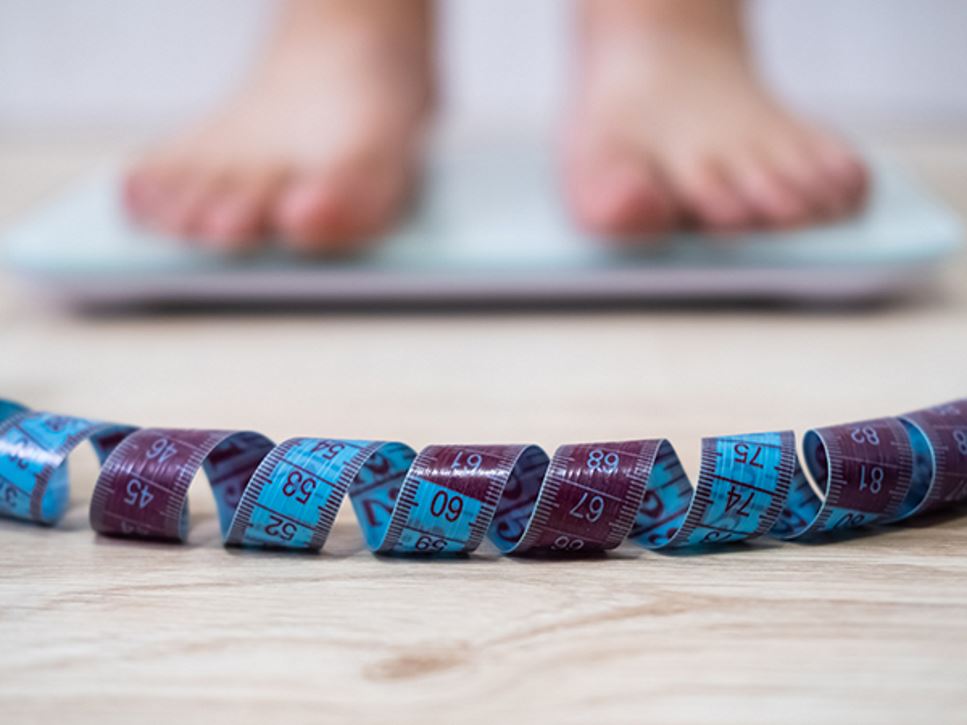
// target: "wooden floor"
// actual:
[[868, 630]]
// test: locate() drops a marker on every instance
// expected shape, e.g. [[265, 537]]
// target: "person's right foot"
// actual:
[[319, 151]]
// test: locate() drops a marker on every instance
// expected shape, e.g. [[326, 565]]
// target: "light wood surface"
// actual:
[[873, 629]]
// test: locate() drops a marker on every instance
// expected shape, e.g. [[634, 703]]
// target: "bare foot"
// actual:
[[672, 127], [319, 150]]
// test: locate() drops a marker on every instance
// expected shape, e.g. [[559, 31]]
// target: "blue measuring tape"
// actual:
[[448, 498]]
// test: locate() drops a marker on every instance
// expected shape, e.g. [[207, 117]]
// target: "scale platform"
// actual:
[[489, 228]]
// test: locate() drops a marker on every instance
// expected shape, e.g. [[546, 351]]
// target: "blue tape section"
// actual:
[[838, 518], [34, 446], [801, 509], [22, 464], [805, 511], [14, 500], [439, 520], [56, 499], [666, 503], [229, 468], [744, 487], [9, 408], [375, 488], [295, 488], [269, 529], [519, 497]]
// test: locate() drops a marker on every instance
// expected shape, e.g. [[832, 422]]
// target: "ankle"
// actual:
[[359, 32], [381, 44], [307, 20], [661, 24]]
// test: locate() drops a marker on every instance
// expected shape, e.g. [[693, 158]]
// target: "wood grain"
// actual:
[[871, 629]]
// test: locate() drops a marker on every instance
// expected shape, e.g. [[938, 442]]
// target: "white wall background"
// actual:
[[90, 64]]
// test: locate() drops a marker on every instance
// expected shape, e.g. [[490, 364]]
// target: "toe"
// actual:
[[615, 190], [163, 196], [796, 159], [136, 191], [776, 200], [713, 200], [623, 199], [236, 218], [846, 170], [188, 200], [147, 189], [337, 211]]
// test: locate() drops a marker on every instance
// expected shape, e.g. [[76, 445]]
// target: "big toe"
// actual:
[[337, 211], [847, 171], [149, 188], [619, 196]]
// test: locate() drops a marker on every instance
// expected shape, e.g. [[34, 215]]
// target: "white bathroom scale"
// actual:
[[489, 228]]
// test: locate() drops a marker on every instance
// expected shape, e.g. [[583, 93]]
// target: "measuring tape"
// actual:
[[446, 499]]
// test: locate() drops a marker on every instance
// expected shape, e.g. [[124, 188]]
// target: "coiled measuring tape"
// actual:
[[447, 498]]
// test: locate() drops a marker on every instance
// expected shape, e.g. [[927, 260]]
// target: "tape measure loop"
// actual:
[[862, 472], [34, 448], [939, 439], [142, 491], [588, 497]]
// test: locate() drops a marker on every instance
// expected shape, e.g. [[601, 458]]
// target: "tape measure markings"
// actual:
[[940, 438], [448, 498], [36, 446], [853, 464]]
